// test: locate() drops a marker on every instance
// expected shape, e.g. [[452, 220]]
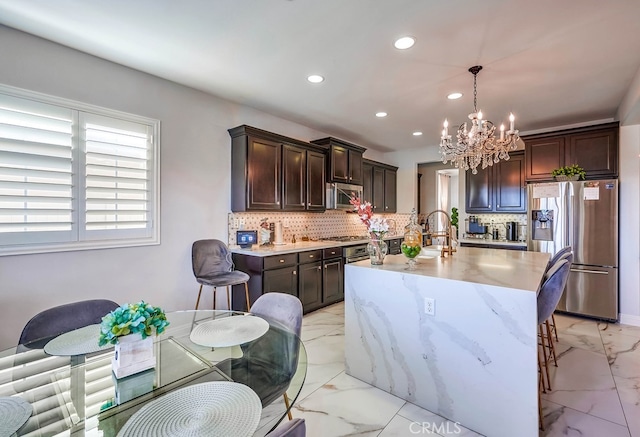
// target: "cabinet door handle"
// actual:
[[325, 267], [333, 253], [497, 206], [281, 260], [309, 204], [310, 256], [386, 207], [278, 202], [489, 205], [302, 204], [295, 273], [319, 268]]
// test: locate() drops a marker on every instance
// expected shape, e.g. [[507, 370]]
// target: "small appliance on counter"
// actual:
[[474, 226], [512, 231], [246, 239]]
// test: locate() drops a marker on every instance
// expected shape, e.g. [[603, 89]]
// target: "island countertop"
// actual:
[[456, 336], [503, 268]]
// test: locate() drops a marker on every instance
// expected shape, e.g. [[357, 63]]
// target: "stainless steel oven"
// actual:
[[355, 253]]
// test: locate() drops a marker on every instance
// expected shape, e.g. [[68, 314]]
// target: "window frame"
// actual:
[[84, 239]]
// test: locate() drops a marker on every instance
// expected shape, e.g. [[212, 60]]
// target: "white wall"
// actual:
[[195, 183], [629, 212]]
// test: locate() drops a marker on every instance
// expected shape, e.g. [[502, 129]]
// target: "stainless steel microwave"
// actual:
[[338, 195]]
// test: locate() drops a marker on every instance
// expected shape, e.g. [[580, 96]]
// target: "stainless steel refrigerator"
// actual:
[[583, 215]]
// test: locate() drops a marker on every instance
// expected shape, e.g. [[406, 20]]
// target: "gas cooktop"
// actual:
[[343, 238]]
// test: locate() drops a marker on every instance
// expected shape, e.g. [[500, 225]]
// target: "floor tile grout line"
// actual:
[[615, 383]]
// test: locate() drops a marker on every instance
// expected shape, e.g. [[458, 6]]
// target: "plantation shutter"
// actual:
[[118, 178], [36, 172]]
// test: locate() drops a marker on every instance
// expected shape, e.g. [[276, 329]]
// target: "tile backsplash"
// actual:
[[489, 219], [314, 225]]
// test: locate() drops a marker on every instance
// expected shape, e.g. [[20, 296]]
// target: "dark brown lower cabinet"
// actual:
[[310, 285], [316, 277], [284, 280], [333, 280]]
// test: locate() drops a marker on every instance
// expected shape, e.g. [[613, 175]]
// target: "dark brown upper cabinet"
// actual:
[[380, 186], [344, 163], [594, 148], [498, 188], [274, 172]]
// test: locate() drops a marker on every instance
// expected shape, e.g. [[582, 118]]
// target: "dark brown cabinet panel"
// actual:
[[377, 205], [284, 280], [380, 186], [316, 176], [263, 186], [355, 167], [509, 185], [596, 152], [498, 188], [339, 164], [367, 182], [333, 280], [274, 172], [479, 190], [344, 163], [310, 285], [390, 194], [294, 165], [594, 148], [542, 156]]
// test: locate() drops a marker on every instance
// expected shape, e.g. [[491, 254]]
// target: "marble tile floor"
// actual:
[[596, 386]]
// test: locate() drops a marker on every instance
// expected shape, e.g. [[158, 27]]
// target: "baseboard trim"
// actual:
[[629, 319]]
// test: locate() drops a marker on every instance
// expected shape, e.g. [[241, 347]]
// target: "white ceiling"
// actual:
[[552, 63]]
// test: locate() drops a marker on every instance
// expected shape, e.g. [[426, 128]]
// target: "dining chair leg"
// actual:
[[550, 341], [246, 293], [540, 416], [540, 374], [228, 299], [544, 354], [555, 327], [286, 403], [214, 297], [198, 300]]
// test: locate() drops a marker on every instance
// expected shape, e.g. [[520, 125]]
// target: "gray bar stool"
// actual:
[[212, 266]]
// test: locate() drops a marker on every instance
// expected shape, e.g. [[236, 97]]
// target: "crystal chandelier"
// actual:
[[478, 144]]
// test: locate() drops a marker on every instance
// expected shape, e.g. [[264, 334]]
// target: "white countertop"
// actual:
[[299, 246], [504, 268], [491, 241]]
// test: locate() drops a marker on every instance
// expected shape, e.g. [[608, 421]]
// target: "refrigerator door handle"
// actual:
[[597, 272]]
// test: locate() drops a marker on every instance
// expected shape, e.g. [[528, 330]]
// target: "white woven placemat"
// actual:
[[14, 412], [220, 408], [229, 331], [78, 342]]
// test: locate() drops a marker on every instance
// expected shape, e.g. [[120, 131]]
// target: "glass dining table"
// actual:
[[78, 395]]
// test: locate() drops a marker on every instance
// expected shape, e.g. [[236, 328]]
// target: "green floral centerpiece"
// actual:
[[569, 173], [140, 318]]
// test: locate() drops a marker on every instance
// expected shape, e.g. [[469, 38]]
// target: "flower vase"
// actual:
[[133, 354], [377, 251]]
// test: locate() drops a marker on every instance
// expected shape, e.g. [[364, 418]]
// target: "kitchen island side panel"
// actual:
[[473, 362]]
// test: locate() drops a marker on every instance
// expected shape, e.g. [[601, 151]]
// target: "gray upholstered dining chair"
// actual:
[[293, 428], [548, 299], [212, 266], [64, 318], [561, 254], [269, 363]]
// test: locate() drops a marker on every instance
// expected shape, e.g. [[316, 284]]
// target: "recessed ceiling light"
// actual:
[[381, 114], [417, 134], [454, 96], [404, 43], [315, 78]]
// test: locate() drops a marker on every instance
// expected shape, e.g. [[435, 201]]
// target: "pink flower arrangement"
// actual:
[[377, 227]]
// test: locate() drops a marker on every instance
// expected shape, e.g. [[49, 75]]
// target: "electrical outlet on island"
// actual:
[[429, 306]]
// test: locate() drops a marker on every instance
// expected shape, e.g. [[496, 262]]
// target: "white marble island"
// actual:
[[473, 361]]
